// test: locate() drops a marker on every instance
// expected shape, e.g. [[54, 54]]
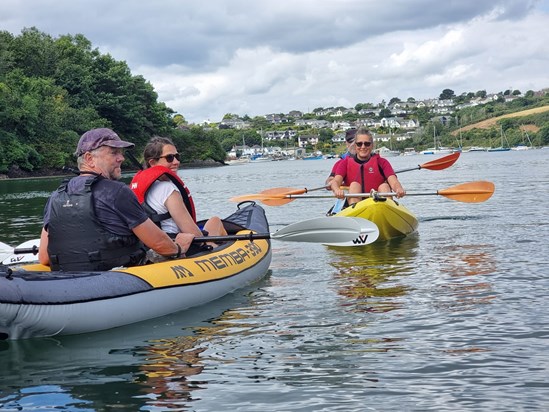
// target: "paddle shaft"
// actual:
[[437, 164], [380, 194], [201, 239], [134, 159], [316, 230], [268, 196], [473, 192], [418, 167]]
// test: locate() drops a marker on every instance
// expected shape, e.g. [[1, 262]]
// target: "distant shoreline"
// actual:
[[18, 174]]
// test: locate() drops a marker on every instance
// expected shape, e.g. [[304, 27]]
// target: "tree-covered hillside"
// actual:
[[54, 89]]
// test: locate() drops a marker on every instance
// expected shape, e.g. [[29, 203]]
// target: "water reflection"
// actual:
[[152, 364], [168, 369], [467, 268], [367, 277]]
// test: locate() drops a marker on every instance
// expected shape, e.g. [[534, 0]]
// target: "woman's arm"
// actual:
[[180, 214], [396, 186], [335, 185]]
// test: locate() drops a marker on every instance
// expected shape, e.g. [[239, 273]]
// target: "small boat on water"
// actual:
[[476, 149], [240, 161], [36, 302], [521, 147], [386, 152], [437, 151], [409, 151], [313, 157], [261, 158], [501, 148], [392, 219]]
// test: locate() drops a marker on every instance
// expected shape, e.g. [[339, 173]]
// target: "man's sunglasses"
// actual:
[[170, 157], [365, 144]]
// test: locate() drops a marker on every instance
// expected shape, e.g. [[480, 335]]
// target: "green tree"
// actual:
[[385, 113], [52, 90], [447, 94]]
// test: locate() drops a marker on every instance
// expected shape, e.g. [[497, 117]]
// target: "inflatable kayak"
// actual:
[[36, 302]]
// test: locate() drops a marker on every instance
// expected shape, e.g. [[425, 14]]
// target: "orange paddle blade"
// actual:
[[244, 198], [277, 195], [442, 163], [274, 196], [271, 200], [473, 192], [283, 191], [276, 202]]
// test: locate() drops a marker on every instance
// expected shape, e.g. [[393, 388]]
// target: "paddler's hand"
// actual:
[[339, 193], [184, 240], [400, 192], [336, 189]]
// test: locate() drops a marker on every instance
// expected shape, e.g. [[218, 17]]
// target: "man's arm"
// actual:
[[153, 237], [43, 256]]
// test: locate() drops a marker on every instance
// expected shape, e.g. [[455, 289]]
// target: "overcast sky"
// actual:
[[212, 57]]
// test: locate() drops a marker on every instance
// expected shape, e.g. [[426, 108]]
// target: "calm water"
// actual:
[[452, 318]]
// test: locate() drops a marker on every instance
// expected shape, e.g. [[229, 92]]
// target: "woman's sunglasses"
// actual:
[[365, 144], [170, 157]]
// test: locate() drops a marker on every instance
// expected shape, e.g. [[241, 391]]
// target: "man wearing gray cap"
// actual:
[[93, 222], [349, 141]]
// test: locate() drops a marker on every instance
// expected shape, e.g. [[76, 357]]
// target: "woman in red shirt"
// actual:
[[365, 170]]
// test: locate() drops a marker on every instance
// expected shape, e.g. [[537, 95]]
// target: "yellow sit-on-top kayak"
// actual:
[[391, 218]]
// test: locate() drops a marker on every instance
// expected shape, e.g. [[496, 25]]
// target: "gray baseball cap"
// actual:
[[96, 138]]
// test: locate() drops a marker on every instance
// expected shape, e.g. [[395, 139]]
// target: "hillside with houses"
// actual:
[[397, 125]]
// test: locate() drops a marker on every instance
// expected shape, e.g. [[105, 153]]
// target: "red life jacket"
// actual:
[[369, 173], [142, 182]]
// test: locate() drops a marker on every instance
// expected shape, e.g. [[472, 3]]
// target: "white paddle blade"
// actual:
[[319, 230], [5, 251], [369, 233], [19, 259]]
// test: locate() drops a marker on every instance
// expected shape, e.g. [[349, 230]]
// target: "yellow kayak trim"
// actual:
[[222, 262]]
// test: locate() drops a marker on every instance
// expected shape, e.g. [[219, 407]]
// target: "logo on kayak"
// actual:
[[361, 240], [220, 261], [223, 260], [182, 272]]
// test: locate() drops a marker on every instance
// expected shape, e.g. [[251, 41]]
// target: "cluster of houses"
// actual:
[[400, 121]]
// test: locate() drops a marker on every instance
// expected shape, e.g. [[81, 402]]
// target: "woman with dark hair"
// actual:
[[165, 196]]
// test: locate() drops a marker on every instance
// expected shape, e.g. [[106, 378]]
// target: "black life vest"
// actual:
[[142, 181], [76, 239]]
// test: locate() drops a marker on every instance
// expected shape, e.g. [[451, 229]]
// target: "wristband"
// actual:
[[179, 252]]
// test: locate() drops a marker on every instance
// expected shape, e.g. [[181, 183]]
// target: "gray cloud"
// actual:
[[248, 57]]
